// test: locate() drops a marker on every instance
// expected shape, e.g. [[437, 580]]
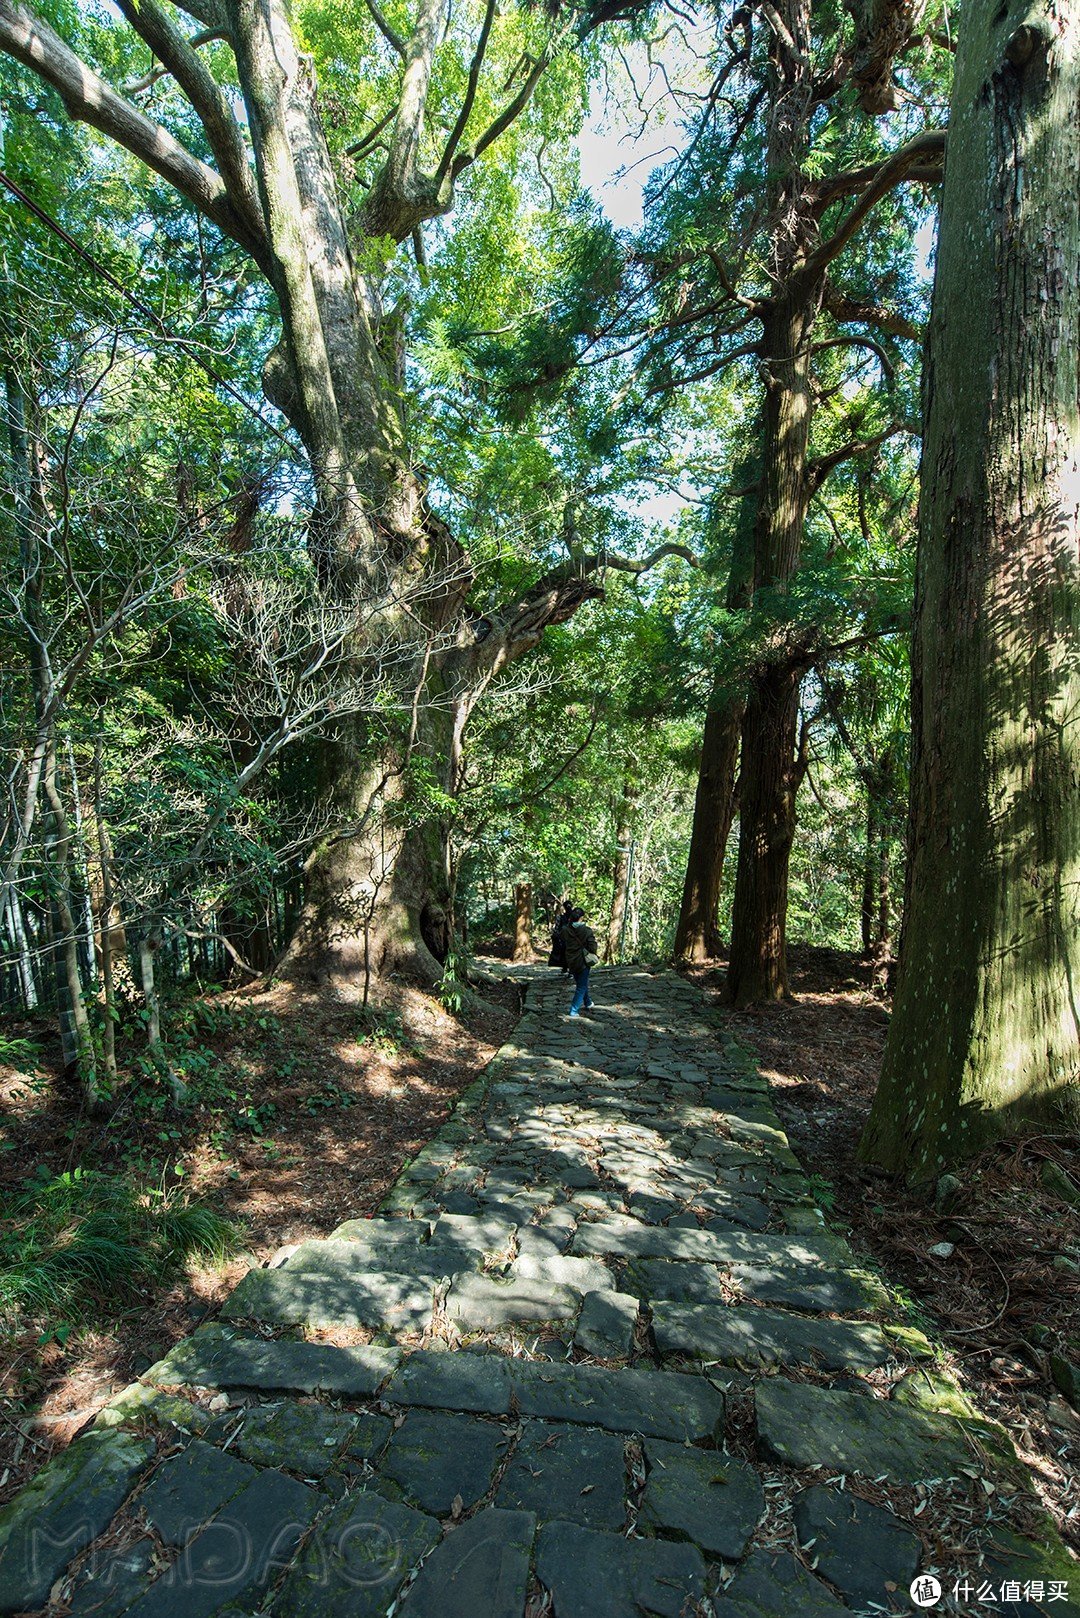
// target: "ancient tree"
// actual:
[[985, 1036], [322, 234]]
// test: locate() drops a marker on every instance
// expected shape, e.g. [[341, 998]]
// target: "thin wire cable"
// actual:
[[143, 309]]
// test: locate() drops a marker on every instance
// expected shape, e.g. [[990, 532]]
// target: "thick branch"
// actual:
[[391, 35], [211, 13], [918, 153], [88, 99], [629, 564], [889, 321], [179, 56], [510, 113], [857, 340], [403, 196], [819, 469], [852, 181], [500, 638], [470, 93]]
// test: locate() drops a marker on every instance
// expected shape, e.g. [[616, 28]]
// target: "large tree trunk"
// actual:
[[523, 919], [771, 768], [696, 936], [985, 1035], [757, 967], [374, 898]]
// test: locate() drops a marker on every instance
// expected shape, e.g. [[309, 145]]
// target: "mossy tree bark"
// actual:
[[985, 1035]]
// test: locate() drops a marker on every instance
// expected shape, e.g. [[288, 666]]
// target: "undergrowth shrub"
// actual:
[[74, 1247]]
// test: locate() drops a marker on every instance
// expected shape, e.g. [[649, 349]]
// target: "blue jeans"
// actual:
[[581, 993]]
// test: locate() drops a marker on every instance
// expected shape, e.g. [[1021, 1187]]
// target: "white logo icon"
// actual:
[[925, 1590]]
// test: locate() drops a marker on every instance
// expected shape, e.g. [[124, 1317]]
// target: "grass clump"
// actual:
[[75, 1247]]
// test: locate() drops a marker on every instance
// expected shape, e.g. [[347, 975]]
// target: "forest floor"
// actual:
[[1005, 1296], [302, 1114]]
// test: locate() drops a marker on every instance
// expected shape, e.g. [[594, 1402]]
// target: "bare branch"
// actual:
[[629, 564], [361, 147], [137, 86]]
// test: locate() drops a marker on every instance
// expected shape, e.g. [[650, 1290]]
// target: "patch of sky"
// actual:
[[635, 126]]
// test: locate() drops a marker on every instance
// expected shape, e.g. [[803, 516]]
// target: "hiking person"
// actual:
[[557, 956], [581, 956]]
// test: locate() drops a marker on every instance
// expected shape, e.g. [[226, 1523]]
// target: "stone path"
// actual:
[[599, 1357]]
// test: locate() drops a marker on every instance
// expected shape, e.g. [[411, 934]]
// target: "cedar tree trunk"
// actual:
[[985, 1034]]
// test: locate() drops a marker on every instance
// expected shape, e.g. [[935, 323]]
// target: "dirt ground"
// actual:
[[1006, 1298], [307, 1114]]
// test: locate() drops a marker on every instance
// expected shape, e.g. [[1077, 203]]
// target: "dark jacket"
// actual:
[[580, 941]]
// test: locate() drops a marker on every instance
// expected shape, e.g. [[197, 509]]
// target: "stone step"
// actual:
[[773, 1582], [659, 1404], [383, 1232], [595, 1575], [357, 1559], [702, 1495], [354, 1260], [482, 1567], [752, 1337], [484, 1303], [63, 1510], [305, 1298], [217, 1357], [267, 1519], [837, 1291], [563, 1472], [630, 1238], [800, 1425]]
